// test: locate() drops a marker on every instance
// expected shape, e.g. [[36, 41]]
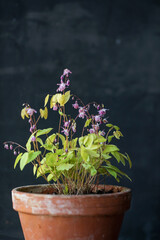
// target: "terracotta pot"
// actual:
[[73, 217]]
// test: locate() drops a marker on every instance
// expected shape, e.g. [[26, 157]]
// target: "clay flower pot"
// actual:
[[71, 217]]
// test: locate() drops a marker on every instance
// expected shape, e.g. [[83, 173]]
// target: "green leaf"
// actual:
[[129, 160], [84, 153], [112, 172], [65, 166], [51, 159], [86, 166], [35, 168], [88, 121], [51, 138], [42, 132], [116, 127], [117, 156], [100, 139], [118, 171], [93, 171], [109, 125], [62, 138], [50, 177], [28, 144], [110, 148], [110, 138], [42, 170], [39, 140], [17, 160], [32, 155], [46, 100], [106, 156], [23, 160]]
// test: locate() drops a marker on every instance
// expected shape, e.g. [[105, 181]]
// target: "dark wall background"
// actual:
[[113, 49]]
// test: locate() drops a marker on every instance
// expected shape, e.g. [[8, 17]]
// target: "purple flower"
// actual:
[[31, 111], [31, 129], [15, 153], [92, 130], [68, 83], [105, 120], [62, 86], [65, 131], [102, 133], [11, 147], [33, 138], [75, 105], [61, 77], [97, 118], [55, 107], [6, 146], [102, 112], [82, 112], [74, 127], [96, 127], [98, 107], [30, 121], [66, 124], [66, 72]]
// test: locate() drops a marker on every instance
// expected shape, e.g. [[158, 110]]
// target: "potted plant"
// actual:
[[73, 205]]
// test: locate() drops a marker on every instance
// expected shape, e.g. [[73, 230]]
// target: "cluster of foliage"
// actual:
[[72, 164]]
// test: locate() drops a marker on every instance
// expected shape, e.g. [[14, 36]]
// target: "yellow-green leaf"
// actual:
[[54, 100], [87, 122], [63, 98], [24, 113], [17, 159], [46, 100], [44, 113]]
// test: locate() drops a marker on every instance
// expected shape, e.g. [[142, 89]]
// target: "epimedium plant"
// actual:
[[72, 164]]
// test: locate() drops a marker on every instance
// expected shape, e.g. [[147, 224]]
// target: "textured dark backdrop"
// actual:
[[113, 49]]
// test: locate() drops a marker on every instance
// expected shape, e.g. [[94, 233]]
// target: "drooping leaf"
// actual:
[[62, 138], [35, 168], [118, 171], [17, 160], [23, 160], [110, 148], [129, 160], [112, 172], [63, 98], [117, 156]]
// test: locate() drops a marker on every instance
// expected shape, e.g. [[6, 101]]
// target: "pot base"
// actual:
[[75, 217]]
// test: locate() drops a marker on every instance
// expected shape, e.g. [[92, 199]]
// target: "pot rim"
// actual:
[[69, 205], [20, 190]]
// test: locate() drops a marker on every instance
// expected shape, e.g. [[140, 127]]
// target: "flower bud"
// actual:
[[15, 153], [6, 146], [11, 147]]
